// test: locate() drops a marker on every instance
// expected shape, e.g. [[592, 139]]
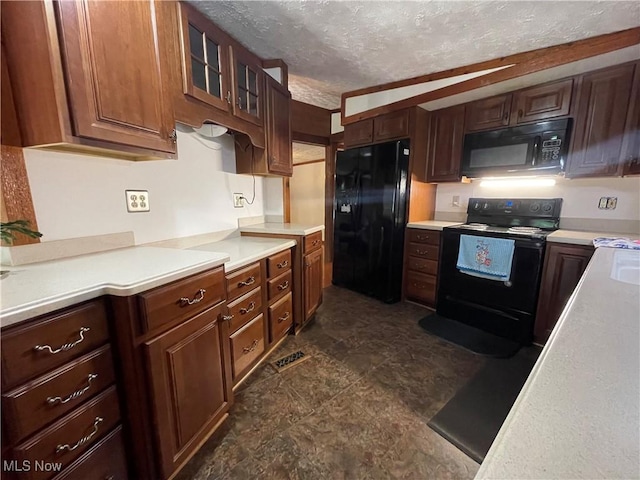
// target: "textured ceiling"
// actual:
[[303, 152], [336, 46]]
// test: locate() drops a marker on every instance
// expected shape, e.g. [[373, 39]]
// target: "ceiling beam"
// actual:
[[524, 64]]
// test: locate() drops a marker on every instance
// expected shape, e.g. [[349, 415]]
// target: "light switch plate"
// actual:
[[137, 200]]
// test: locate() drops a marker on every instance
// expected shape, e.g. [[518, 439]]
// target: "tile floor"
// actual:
[[357, 409]]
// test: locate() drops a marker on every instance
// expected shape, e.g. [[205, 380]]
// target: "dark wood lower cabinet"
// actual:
[[312, 282], [563, 267], [191, 388]]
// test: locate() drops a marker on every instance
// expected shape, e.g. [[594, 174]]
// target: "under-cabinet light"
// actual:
[[517, 182]]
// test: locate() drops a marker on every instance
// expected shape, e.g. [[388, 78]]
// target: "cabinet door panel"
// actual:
[[445, 146], [600, 122], [190, 384], [563, 267], [248, 86], [359, 133], [488, 113], [546, 101], [312, 282], [391, 126], [279, 128], [632, 134], [115, 64]]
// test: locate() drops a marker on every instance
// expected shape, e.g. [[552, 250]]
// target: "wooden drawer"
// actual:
[[40, 402], [312, 242], [242, 281], [421, 287], [278, 263], [82, 427], [279, 286], [422, 265], [422, 250], [280, 317], [105, 460], [424, 236], [28, 350], [247, 345], [181, 299], [244, 309]]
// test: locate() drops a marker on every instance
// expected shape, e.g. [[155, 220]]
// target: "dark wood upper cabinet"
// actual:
[[600, 123], [191, 388], [359, 133], [205, 59], [631, 145], [391, 126], [445, 144], [278, 128], [542, 102], [114, 65], [563, 267], [248, 86], [491, 112]]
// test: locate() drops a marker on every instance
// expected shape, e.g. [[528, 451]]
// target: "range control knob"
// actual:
[[547, 207], [534, 207], [486, 206], [476, 205]]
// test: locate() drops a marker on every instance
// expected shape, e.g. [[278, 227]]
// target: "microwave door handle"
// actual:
[[536, 147]]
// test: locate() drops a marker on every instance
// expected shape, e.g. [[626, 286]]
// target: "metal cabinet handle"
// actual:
[[173, 136], [83, 440], [282, 264], [66, 346], [227, 317], [74, 395], [520, 113], [197, 299], [228, 96], [249, 281], [249, 308], [283, 318], [422, 237], [506, 116], [283, 286], [422, 252], [250, 348], [315, 242]]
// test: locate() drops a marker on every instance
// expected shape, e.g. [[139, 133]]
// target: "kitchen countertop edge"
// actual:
[[282, 228], [432, 224]]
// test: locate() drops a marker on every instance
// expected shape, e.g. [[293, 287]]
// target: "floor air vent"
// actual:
[[289, 361]]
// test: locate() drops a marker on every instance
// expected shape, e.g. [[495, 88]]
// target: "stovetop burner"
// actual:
[[524, 230]]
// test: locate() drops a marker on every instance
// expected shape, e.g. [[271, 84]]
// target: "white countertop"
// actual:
[[31, 290], [431, 224], [245, 250], [282, 228], [577, 237], [578, 414]]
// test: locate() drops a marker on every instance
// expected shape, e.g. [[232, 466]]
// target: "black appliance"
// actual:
[[370, 215], [508, 308], [539, 148]]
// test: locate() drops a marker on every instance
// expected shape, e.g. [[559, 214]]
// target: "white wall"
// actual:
[[580, 197], [76, 196], [307, 193]]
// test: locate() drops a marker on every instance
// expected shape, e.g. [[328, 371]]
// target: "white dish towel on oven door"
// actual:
[[486, 257]]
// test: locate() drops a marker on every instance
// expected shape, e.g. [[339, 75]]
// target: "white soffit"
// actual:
[[362, 103], [562, 71]]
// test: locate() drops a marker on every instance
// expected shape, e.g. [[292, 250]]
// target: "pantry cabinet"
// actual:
[[445, 144], [563, 266], [90, 76]]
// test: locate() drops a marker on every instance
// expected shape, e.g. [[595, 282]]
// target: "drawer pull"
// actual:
[[197, 299], [282, 264], [83, 440], [283, 286], [250, 308], [74, 395], [422, 237], [251, 347], [422, 252], [227, 318], [66, 346], [249, 281], [315, 242], [284, 318]]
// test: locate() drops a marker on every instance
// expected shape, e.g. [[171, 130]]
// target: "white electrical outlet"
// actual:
[[602, 203], [137, 200], [612, 202], [238, 200]]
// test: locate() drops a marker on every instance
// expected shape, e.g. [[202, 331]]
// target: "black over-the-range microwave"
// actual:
[[536, 149]]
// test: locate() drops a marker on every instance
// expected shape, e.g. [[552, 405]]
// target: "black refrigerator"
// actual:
[[370, 215]]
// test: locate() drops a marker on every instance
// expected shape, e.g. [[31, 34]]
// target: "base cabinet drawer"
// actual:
[[422, 265], [247, 345], [423, 236], [242, 281], [430, 252], [47, 398], [279, 263], [105, 460], [280, 317], [421, 287], [71, 436], [279, 286], [244, 309]]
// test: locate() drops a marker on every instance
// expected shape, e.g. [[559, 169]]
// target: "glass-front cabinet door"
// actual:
[[248, 87], [205, 62]]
